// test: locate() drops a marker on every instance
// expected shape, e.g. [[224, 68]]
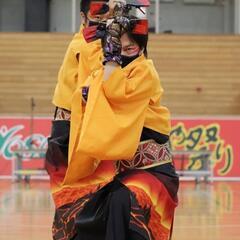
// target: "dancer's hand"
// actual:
[[112, 43]]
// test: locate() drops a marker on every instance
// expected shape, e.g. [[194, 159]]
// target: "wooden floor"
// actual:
[[205, 212]]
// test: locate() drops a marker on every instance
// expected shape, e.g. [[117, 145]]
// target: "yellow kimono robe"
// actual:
[[109, 127]]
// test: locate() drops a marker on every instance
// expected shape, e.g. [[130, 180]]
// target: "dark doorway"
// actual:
[[37, 16]]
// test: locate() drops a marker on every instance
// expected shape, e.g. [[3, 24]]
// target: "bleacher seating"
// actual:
[[29, 65], [200, 74]]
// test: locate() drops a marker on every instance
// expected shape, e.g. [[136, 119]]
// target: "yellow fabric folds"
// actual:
[[80, 60], [110, 126], [90, 60], [68, 74], [158, 116]]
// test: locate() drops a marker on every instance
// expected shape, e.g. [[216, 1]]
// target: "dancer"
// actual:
[[123, 119], [116, 114]]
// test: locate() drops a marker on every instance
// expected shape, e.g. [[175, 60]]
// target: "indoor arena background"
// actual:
[[195, 46]]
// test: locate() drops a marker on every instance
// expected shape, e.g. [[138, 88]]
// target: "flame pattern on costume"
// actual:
[[152, 206], [154, 198]]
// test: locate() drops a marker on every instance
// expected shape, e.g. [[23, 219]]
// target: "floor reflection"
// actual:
[[205, 211], [26, 211], [208, 211]]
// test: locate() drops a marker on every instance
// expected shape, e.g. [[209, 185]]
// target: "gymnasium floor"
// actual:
[[205, 212]]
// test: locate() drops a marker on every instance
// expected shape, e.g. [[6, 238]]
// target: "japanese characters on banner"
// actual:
[[218, 138]]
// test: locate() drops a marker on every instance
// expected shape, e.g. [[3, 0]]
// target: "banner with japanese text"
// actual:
[[215, 140]]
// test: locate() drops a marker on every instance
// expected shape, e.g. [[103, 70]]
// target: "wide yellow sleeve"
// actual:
[[67, 81], [115, 115], [110, 125], [158, 116], [68, 73], [80, 165]]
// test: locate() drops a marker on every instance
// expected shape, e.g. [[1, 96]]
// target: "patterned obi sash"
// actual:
[[148, 154]]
